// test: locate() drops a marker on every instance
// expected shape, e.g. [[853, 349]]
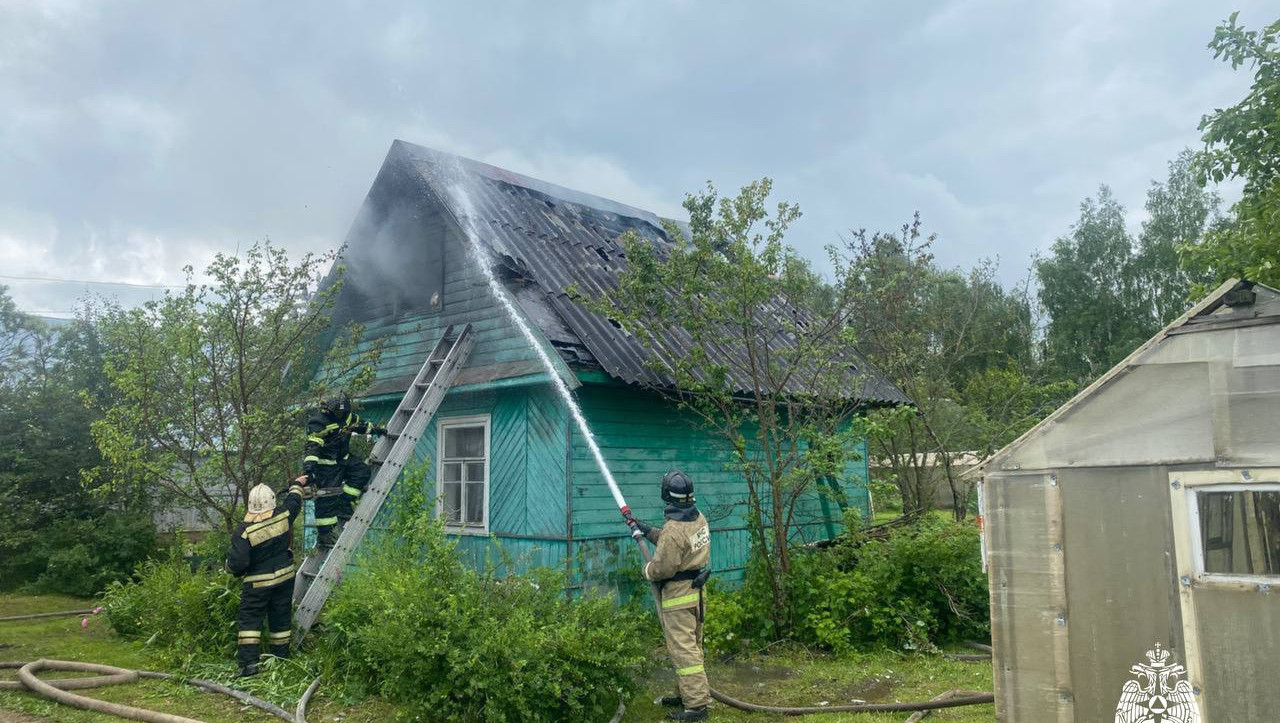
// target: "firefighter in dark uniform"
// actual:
[[679, 570], [262, 556], [339, 478]]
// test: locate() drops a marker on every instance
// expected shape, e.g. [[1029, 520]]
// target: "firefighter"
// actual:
[[262, 556], [339, 478], [679, 571]]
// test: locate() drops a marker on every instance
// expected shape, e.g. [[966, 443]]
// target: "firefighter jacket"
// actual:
[[260, 552], [329, 439], [683, 546]]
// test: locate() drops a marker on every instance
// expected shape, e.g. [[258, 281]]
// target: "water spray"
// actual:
[[480, 255]]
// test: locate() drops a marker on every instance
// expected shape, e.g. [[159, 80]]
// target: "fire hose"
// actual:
[[58, 690]]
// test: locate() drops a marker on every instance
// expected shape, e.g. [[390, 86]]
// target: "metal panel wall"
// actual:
[[1120, 577], [1028, 599], [1159, 413]]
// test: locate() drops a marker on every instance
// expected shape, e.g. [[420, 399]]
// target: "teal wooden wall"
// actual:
[[642, 437], [535, 450], [527, 457]]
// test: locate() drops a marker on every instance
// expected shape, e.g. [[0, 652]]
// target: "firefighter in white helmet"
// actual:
[[261, 555]]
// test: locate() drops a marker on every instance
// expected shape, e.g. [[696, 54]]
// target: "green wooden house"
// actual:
[[515, 469]]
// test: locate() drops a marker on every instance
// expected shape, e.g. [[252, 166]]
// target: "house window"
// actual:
[[1239, 529], [463, 471]]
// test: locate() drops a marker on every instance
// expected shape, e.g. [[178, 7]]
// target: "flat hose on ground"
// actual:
[[33, 616], [954, 699], [300, 713], [97, 681], [56, 690], [921, 715]]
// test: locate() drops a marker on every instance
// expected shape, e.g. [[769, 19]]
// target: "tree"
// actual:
[[211, 380], [1090, 289], [930, 330], [1179, 212], [766, 371], [1003, 402], [61, 535], [17, 331], [1243, 141]]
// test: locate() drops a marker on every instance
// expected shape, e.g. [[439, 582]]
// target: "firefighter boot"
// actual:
[[671, 701], [689, 714]]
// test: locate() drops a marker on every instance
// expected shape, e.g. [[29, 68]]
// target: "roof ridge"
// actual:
[[443, 160]]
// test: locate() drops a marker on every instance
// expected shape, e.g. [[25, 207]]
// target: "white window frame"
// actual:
[[476, 420], [1184, 488]]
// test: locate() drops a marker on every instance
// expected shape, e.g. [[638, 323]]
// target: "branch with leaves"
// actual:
[[212, 380]]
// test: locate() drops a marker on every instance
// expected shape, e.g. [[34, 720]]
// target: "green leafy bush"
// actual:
[[183, 614], [418, 627], [731, 620], [921, 586], [81, 556]]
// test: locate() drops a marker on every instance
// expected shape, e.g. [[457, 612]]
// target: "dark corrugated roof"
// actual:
[[556, 238]]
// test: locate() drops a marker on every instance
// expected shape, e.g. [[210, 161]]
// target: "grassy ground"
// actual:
[[65, 639], [791, 677], [797, 678]]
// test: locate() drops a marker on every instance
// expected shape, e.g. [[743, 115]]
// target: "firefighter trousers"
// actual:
[[347, 479], [272, 604], [683, 632]]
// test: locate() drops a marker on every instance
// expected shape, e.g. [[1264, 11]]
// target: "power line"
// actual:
[[99, 283]]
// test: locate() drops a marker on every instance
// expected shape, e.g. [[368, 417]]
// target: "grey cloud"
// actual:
[[136, 137]]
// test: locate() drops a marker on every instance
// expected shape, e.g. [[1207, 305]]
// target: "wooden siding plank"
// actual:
[[545, 472]]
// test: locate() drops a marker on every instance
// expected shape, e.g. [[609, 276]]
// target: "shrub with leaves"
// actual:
[[920, 586], [184, 615], [417, 626], [82, 556]]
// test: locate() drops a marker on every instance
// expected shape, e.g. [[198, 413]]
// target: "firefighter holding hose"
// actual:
[[262, 556], [678, 569], [338, 477]]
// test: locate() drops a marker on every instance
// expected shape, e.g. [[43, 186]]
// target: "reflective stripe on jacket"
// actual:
[[329, 439]]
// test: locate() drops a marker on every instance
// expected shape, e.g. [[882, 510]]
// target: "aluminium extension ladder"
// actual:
[[322, 569]]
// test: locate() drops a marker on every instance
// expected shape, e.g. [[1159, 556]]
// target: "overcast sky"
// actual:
[[138, 137]]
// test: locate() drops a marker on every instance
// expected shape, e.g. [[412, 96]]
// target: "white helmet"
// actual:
[[262, 502]]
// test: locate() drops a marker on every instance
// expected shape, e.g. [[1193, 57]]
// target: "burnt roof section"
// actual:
[[548, 239]]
